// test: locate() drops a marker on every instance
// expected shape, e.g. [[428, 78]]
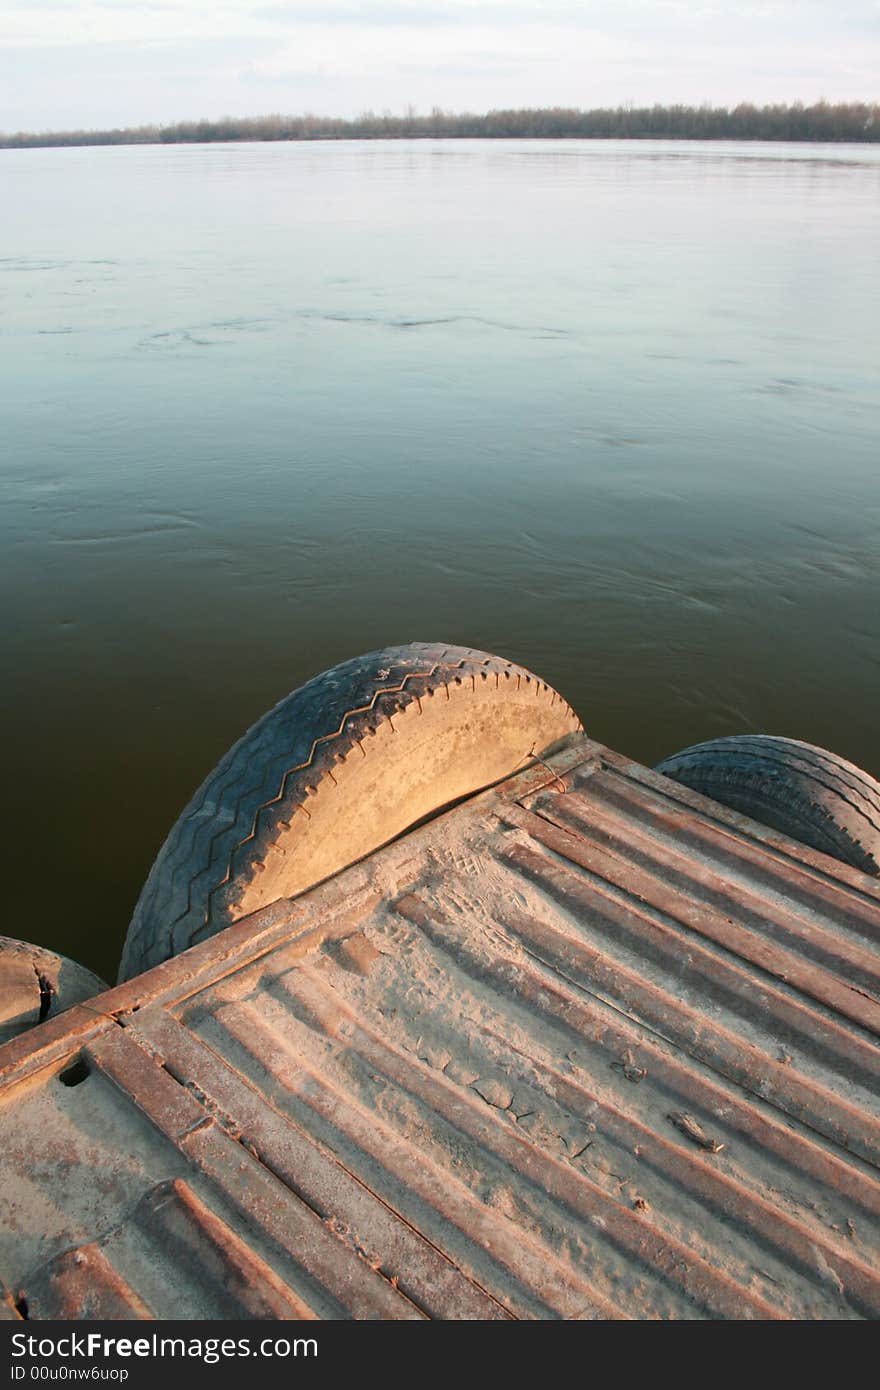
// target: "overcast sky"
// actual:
[[92, 63]]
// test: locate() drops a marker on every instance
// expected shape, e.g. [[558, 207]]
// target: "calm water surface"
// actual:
[[608, 408]]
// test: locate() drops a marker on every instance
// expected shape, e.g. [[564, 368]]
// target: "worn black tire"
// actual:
[[338, 768], [36, 984], [811, 795]]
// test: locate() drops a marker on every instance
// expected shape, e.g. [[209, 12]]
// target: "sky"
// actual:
[[72, 64]]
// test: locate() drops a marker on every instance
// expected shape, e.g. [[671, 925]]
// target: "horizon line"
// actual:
[[820, 121]]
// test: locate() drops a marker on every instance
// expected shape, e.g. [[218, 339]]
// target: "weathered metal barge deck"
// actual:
[[585, 1046]]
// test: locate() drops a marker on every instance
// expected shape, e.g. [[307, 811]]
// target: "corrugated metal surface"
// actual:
[[587, 1046]]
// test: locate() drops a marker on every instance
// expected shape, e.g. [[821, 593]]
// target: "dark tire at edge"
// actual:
[[807, 793]]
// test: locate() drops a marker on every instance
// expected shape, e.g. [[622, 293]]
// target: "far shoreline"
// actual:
[[819, 123]]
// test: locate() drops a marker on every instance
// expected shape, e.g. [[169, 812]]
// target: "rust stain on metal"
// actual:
[[724, 1048], [245, 1286], [80, 1283]]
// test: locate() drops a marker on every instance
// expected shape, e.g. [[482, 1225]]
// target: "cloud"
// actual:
[[82, 21], [147, 60]]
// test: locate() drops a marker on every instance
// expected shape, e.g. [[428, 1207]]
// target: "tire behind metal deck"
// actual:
[[338, 768], [811, 795], [36, 984]]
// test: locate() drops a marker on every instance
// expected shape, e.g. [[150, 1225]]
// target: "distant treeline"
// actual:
[[822, 121]]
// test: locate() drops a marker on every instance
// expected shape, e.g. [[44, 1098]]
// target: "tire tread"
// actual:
[[176, 907], [806, 792]]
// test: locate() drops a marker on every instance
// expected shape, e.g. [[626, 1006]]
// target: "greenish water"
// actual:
[[608, 408]]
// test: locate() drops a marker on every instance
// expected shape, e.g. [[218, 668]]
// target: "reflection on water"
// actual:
[[607, 408]]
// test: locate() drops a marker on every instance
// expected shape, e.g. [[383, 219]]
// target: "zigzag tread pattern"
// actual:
[[179, 849], [181, 941], [176, 858], [192, 829], [262, 733], [268, 777]]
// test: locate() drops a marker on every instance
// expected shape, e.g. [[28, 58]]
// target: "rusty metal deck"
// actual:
[[586, 1046]]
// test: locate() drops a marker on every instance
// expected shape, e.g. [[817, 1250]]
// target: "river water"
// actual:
[[609, 408]]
